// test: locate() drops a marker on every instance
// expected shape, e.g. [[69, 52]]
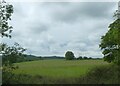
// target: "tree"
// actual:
[[110, 43], [90, 58], [6, 11], [85, 57], [9, 53], [69, 55], [80, 57]]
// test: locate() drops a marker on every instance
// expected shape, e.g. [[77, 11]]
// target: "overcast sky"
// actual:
[[52, 28]]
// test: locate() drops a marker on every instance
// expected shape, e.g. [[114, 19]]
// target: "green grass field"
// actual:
[[58, 68]]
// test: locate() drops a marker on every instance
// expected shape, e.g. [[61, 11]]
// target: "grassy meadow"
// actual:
[[58, 68], [61, 71]]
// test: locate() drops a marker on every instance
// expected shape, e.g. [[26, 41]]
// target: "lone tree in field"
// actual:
[[69, 55], [110, 43]]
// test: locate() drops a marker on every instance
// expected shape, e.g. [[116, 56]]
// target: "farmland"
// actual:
[[58, 68]]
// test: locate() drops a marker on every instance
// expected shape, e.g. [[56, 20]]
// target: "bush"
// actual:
[[102, 75]]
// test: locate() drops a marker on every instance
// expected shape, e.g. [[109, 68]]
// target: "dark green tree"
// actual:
[[110, 43], [69, 55], [80, 58], [85, 57]]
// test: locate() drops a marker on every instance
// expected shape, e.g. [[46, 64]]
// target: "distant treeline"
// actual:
[[51, 57], [85, 57], [26, 57]]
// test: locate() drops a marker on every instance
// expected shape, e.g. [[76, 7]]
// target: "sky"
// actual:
[[52, 28]]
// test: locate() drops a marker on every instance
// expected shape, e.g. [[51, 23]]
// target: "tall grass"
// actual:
[[58, 68], [68, 72], [98, 75]]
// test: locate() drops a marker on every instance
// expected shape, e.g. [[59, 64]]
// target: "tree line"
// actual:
[[69, 55]]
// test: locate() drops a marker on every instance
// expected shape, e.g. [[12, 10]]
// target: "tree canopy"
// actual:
[[110, 43], [6, 11], [9, 53], [69, 55]]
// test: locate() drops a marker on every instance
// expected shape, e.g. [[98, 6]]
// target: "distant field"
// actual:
[[58, 68]]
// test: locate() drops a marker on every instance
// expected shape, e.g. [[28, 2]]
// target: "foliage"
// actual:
[[102, 75], [6, 11], [85, 57], [9, 53], [69, 55], [9, 56], [110, 42], [80, 58]]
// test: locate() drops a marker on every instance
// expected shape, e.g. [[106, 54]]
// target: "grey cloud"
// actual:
[[98, 9], [38, 28], [83, 11], [63, 44], [54, 28]]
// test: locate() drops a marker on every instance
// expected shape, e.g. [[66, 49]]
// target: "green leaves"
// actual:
[[110, 43], [10, 53], [6, 11]]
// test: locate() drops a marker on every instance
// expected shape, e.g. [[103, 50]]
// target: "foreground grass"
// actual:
[[73, 72], [58, 68], [108, 74]]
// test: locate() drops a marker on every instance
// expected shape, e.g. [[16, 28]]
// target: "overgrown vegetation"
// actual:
[[102, 75], [9, 57], [107, 74]]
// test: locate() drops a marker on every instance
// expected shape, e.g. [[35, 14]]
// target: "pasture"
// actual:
[[58, 68]]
